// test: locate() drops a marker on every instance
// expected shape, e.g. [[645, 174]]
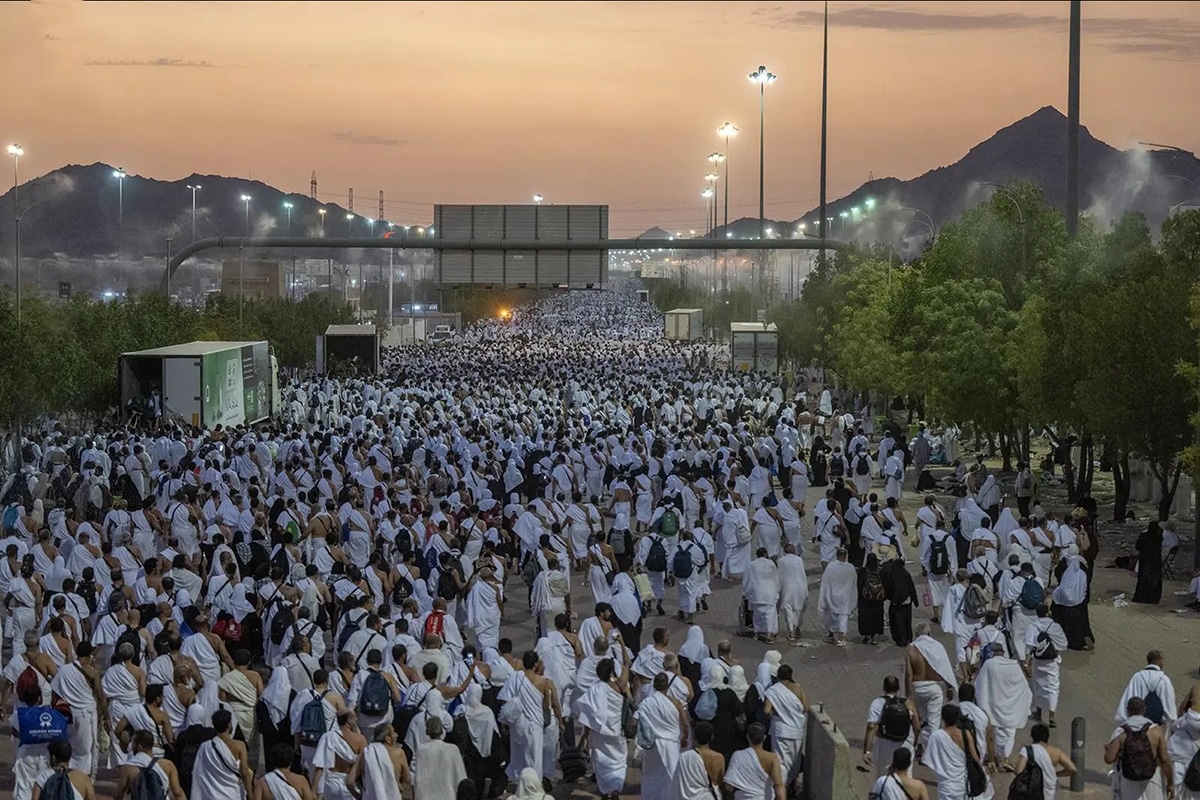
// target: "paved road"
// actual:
[[845, 679]]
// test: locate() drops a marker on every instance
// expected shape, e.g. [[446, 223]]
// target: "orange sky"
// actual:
[[585, 102]]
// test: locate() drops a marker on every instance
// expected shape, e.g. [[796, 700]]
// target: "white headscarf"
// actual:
[[713, 677], [1072, 589], [694, 649], [763, 678], [529, 786], [1006, 523], [480, 720], [738, 682]]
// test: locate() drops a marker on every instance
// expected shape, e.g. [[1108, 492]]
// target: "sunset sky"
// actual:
[[584, 102]]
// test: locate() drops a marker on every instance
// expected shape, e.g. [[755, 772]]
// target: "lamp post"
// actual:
[[762, 78], [391, 283], [242, 267], [194, 189], [727, 131], [712, 178], [288, 206], [322, 212], [1005, 192], [537, 199], [17, 253], [843, 215], [16, 151], [120, 174]]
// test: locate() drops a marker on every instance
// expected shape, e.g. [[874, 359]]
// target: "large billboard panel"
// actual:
[[522, 223]]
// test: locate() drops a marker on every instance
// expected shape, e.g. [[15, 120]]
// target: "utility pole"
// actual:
[[1072, 205], [824, 124]]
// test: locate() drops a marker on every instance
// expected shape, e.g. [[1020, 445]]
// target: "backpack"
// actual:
[[11, 515], [645, 739], [895, 723], [1032, 594], [447, 589], [435, 624], [349, 628], [401, 591], [1043, 648], [529, 570], [283, 620], [939, 556], [58, 786], [873, 590], [376, 697], [682, 564], [862, 467], [148, 785], [87, 590], [132, 636], [27, 683], [974, 603], [656, 557], [706, 706], [1028, 784], [313, 724], [1137, 759], [1191, 776], [621, 541], [668, 523], [1154, 707], [41, 725], [837, 467]]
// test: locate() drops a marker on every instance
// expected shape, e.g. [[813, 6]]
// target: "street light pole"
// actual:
[[242, 268], [16, 151], [119, 173], [762, 78], [288, 206], [194, 189], [727, 130]]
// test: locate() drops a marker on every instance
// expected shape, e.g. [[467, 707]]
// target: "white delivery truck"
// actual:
[[685, 323], [754, 346], [203, 384]]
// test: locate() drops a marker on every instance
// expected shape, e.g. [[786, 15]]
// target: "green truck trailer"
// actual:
[[203, 384]]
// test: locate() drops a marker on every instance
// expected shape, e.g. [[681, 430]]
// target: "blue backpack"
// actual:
[[11, 515], [376, 697]]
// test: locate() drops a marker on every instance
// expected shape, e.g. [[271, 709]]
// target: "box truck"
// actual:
[[685, 323], [203, 384], [754, 346], [348, 347]]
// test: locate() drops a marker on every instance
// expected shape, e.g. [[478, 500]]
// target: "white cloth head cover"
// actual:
[[694, 649], [713, 677], [738, 682], [1072, 589]]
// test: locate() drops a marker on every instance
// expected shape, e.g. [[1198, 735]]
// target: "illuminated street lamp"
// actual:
[[350, 223], [322, 212], [246, 199], [120, 174], [762, 77], [16, 151], [727, 131], [194, 189], [242, 267], [288, 205], [537, 199]]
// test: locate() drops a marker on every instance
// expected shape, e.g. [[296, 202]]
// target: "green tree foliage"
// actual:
[[63, 356]]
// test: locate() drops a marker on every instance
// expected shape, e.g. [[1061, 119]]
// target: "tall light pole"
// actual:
[[120, 174], [537, 199], [712, 178], [16, 151], [346, 271], [762, 78], [288, 206], [321, 212], [391, 282], [194, 189], [242, 267], [728, 131], [1072, 213]]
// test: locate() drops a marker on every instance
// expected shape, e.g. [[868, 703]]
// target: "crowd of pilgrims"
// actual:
[[327, 605]]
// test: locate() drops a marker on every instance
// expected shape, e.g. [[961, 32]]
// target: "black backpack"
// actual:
[[447, 588], [895, 722], [1028, 785], [682, 564], [1043, 648], [58, 786], [656, 558], [131, 636], [148, 785], [1191, 776], [837, 467], [862, 467], [401, 591], [1138, 762], [87, 590], [376, 697], [283, 620], [939, 556]]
